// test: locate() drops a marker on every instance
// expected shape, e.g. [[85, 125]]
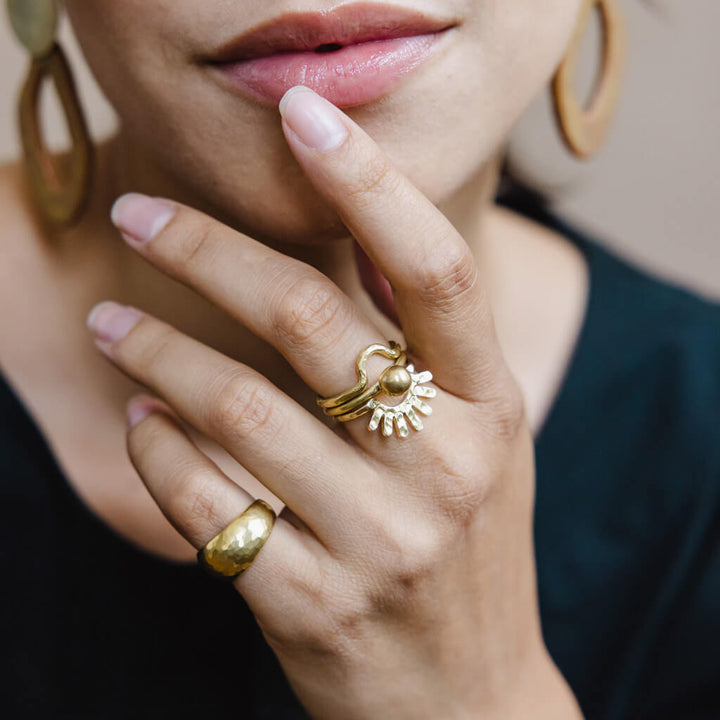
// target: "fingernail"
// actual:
[[137, 409], [140, 217], [111, 322], [313, 119]]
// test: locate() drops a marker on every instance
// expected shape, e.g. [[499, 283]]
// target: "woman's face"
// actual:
[[440, 123]]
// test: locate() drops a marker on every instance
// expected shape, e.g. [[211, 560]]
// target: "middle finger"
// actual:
[[288, 303]]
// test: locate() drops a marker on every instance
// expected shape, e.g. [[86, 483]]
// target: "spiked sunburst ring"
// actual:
[[395, 381], [387, 416]]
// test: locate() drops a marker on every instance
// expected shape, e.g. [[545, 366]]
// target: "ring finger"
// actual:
[[291, 452]]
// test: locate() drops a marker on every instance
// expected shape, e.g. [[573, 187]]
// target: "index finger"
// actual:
[[440, 300]]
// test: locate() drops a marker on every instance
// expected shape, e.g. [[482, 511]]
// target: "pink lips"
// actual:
[[350, 55], [353, 75]]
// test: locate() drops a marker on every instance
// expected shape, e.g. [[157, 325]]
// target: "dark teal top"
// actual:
[[627, 534]]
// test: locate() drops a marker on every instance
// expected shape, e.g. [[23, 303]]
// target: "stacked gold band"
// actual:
[[353, 402], [235, 547], [397, 379]]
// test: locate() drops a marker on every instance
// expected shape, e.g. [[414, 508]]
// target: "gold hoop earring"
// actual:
[[60, 191], [584, 129]]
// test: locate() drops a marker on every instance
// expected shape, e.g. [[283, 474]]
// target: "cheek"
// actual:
[[229, 154], [443, 130], [216, 150], [123, 44]]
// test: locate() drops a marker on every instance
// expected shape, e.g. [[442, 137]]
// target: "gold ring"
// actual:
[[396, 380], [234, 548]]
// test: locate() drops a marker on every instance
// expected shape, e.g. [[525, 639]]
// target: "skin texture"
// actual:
[[407, 590], [501, 55]]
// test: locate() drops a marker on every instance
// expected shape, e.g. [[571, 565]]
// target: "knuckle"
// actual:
[[343, 614], [460, 502], [409, 560], [146, 345], [146, 437], [417, 561], [310, 308], [180, 478], [408, 546], [201, 506], [462, 481], [334, 621], [187, 243], [242, 406], [377, 177], [448, 275]]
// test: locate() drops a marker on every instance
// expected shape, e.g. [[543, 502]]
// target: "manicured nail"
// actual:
[[140, 217], [313, 119], [111, 322], [137, 409]]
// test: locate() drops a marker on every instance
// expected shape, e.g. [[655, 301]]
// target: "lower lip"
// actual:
[[353, 75]]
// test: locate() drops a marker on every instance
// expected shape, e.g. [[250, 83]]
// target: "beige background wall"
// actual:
[[653, 192]]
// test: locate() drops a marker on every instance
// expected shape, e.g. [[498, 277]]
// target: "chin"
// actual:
[[301, 231], [277, 219]]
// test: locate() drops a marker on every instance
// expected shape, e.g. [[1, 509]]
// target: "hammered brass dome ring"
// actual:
[[398, 380], [234, 548]]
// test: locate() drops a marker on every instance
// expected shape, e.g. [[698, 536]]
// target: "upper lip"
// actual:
[[343, 25]]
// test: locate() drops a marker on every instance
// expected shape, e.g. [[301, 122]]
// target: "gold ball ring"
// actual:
[[234, 548], [395, 381]]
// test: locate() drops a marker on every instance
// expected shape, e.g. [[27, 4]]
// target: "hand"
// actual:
[[399, 582]]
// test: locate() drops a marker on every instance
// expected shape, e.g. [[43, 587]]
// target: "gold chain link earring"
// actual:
[[584, 129], [60, 188]]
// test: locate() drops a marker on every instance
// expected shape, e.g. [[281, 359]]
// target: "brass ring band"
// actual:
[[395, 380], [392, 352], [235, 547]]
